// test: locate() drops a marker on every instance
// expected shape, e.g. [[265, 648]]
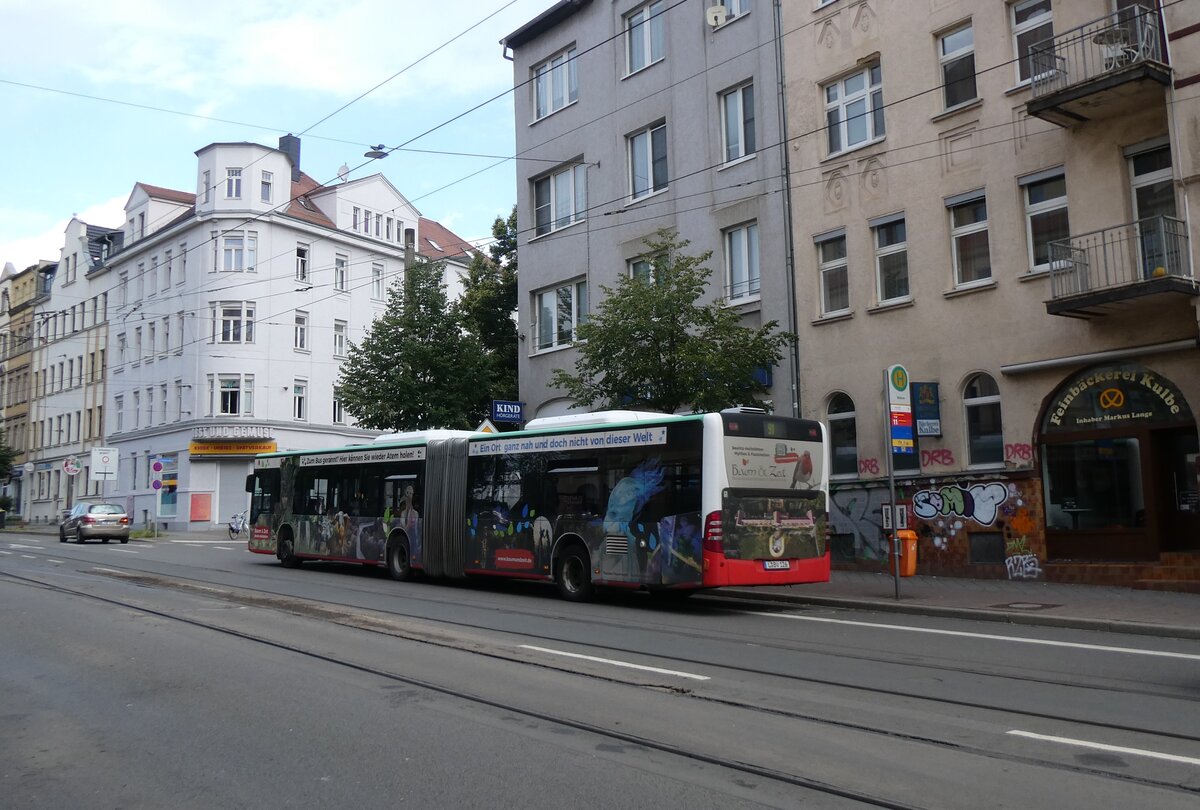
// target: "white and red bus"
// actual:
[[621, 499]]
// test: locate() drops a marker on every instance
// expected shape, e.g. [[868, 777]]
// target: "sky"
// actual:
[[95, 97]]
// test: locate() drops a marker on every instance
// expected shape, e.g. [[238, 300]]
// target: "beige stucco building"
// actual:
[[1000, 197]]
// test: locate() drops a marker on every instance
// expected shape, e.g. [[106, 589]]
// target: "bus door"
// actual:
[[264, 515], [402, 491]]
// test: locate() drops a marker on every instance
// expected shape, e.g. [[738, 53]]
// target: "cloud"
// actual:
[[48, 244]]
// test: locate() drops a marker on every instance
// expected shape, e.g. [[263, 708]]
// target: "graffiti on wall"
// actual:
[[868, 466], [978, 502], [1018, 453], [942, 457], [859, 512], [1020, 561]]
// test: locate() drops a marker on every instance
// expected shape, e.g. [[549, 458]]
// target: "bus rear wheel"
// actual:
[[574, 575], [287, 553], [399, 564]]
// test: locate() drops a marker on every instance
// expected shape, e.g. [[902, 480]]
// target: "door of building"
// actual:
[[1173, 462]]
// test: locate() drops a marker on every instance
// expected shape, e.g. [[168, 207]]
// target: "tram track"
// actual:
[[708, 636], [339, 613]]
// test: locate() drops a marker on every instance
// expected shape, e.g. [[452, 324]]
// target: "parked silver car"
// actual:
[[107, 521]]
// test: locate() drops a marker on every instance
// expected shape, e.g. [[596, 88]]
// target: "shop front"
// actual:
[[1118, 452]]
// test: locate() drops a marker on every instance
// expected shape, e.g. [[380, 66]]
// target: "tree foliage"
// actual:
[[650, 344], [7, 455], [488, 304], [417, 366]]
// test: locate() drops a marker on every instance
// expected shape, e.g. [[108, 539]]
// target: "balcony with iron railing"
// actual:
[[1100, 69], [1103, 271]]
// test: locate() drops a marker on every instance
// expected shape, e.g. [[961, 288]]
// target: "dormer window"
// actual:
[[233, 184]]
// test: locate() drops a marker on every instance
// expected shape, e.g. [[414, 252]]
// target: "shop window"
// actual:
[[843, 435], [1094, 484]]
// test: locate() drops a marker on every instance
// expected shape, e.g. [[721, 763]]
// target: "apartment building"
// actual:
[[67, 373], [998, 196], [230, 311], [634, 116]]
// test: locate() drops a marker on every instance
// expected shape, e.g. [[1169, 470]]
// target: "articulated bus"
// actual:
[[619, 499]]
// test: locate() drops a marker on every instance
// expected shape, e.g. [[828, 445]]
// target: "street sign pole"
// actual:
[[891, 465]]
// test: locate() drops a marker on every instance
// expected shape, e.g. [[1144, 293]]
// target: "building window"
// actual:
[[854, 109], [741, 260], [119, 408], [956, 51], [737, 113], [555, 84], [233, 322], [377, 282], [389, 229], [891, 260], [1045, 217], [235, 394], [645, 41], [238, 252], [339, 418], [985, 439], [647, 161], [558, 313], [267, 181], [168, 266], [367, 222], [340, 272], [183, 251], [137, 410], [299, 397], [835, 283], [734, 8], [1032, 22], [969, 240], [300, 340], [354, 218], [843, 435], [339, 338], [206, 186], [233, 184], [560, 199], [642, 268], [301, 262]]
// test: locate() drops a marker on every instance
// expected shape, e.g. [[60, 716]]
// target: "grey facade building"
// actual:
[[635, 116]]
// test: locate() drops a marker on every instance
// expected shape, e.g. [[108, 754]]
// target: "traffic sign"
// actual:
[[71, 466], [104, 464], [900, 410], [156, 470]]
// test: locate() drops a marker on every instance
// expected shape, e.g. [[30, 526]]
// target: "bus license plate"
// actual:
[[777, 565]]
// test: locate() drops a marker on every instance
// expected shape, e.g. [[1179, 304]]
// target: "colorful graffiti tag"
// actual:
[[978, 502]]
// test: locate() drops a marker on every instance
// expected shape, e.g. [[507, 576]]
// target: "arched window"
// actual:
[[985, 437], [843, 435]]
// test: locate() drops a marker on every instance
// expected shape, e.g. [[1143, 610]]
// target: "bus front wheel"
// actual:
[[398, 563], [574, 575], [287, 553]]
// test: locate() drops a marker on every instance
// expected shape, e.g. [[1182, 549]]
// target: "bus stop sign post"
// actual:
[[899, 431]]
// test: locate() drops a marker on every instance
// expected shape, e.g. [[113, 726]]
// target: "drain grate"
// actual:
[[1025, 606]]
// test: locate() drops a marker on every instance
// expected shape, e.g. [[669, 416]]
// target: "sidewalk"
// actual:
[[1088, 607], [1052, 604]]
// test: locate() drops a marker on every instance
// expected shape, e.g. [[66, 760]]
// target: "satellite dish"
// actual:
[[343, 172], [715, 16]]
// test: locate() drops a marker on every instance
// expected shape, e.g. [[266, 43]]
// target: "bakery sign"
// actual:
[[1115, 396]]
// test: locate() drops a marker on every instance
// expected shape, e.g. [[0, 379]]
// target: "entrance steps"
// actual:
[[1173, 571]]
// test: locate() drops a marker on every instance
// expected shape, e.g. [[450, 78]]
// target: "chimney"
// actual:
[[290, 145]]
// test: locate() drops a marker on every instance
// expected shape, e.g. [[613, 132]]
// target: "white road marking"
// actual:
[[617, 663], [988, 636], [196, 542], [105, 570], [126, 551], [223, 548], [29, 556], [5, 552], [21, 545], [56, 562], [1118, 749]]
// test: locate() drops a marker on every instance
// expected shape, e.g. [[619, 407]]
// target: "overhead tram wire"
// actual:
[[714, 166]]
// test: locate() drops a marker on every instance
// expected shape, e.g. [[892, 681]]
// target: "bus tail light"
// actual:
[[714, 534]]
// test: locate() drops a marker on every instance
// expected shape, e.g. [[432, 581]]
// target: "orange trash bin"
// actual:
[[908, 552]]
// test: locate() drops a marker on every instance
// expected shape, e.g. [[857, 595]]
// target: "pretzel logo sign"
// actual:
[[1112, 398]]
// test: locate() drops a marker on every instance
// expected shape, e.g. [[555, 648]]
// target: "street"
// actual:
[[196, 674]]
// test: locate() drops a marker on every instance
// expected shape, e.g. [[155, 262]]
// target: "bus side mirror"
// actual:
[[250, 483]]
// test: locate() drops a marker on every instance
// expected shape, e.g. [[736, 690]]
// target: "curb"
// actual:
[[973, 614]]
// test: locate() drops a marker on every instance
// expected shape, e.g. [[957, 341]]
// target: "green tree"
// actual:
[[7, 454], [417, 367], [489, 302], [649, 344]]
